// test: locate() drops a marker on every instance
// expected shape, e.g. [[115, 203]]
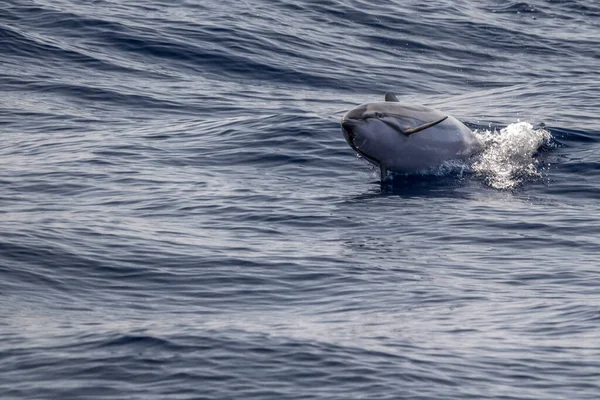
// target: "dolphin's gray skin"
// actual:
[[404, 138]]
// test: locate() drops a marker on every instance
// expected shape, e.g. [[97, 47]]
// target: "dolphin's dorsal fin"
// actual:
[[389, 96], [415, 129]]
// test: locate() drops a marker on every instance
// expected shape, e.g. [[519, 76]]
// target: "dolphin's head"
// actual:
[[366, 132]]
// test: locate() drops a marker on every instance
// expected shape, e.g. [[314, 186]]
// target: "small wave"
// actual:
[[450, 167], [508, 158]]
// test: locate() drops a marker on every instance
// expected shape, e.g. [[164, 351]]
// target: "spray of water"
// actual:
[[507, 159]]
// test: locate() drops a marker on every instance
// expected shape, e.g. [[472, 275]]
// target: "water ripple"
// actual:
[[182, 218]]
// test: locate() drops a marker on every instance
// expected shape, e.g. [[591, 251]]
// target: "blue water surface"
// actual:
[[181, 218]]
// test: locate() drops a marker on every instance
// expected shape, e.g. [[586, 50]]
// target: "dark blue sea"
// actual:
[[181, 217]]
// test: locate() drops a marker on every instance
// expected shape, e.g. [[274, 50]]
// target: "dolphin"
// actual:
[[406, 139]]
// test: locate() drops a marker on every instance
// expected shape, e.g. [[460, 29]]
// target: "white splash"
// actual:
[[507, 159]]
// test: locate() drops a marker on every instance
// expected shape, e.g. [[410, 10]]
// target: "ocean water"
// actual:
[[181, 218]]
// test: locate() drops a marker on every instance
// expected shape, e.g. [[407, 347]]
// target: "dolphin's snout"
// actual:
[[348, 126], [347, 123]]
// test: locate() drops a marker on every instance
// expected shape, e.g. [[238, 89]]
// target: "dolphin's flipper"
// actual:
[[409, 131], [389, 96]]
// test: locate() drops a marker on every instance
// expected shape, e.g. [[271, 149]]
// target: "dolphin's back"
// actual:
[[416, 112]]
